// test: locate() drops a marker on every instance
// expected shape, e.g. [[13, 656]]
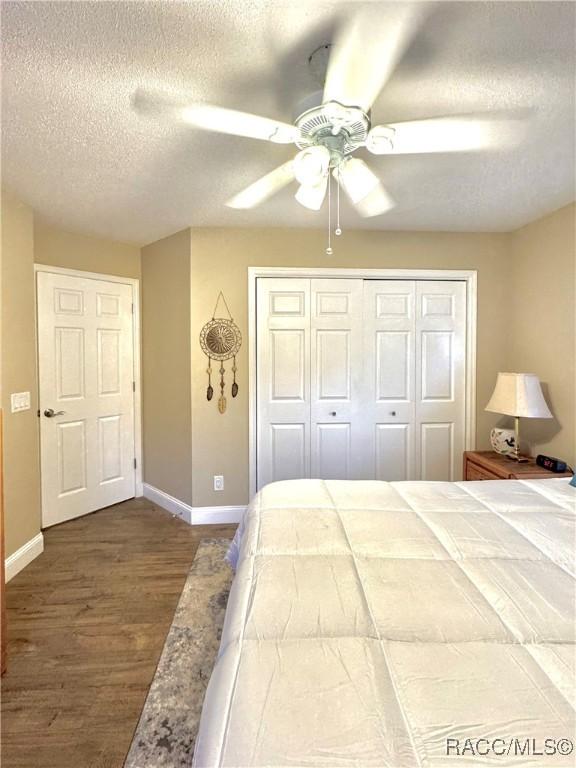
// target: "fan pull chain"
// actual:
[[329, 249], [338, 231]]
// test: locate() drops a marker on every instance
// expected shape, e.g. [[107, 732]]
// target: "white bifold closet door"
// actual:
[[336, 379], [414, 360], [283, 380], [360, 379]]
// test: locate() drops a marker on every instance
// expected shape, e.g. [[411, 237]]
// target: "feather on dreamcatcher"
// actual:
[[220, 340]]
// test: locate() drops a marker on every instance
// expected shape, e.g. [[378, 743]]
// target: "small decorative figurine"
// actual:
[[220, 340]]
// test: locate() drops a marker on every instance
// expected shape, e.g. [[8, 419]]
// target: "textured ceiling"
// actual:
[[73, 147]]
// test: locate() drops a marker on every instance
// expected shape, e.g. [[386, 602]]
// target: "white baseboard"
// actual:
[[214, 515], [193, 515], [168, 502], [23, 556]]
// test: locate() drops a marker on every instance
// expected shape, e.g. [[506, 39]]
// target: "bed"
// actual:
[[398, 624]]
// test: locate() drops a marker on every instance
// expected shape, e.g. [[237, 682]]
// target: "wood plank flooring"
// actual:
[[87, 622]]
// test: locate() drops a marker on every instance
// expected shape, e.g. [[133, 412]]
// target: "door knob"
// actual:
[[50, 413], [392, 413], [332, 413]]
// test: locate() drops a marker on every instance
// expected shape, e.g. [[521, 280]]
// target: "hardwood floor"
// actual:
[[87, 622]]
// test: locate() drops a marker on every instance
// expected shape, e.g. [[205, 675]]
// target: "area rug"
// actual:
[[167, 728]]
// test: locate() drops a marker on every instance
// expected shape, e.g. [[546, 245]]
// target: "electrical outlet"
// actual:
[[218, 482]]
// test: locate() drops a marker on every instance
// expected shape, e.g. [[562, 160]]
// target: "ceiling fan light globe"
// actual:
[[311, 165], [312, 195], [356, 179], [377, 202]]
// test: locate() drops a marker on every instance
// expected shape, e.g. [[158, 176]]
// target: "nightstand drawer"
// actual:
[[474, 472]]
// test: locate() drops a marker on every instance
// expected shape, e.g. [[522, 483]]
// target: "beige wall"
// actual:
[[522, 278], [21, 448], [26, 240], [58, 248], [542, 325], [220, 259], [166, 365]]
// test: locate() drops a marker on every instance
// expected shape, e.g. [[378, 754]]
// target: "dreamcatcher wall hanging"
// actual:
[[220, 340]]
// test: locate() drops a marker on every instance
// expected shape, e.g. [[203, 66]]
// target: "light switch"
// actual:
[[20, 401]]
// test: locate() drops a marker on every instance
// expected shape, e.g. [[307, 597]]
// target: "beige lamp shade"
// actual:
[[519, 394]]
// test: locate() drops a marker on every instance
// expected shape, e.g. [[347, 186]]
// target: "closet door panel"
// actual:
[[288, 451], [337, 378], [287, 365], [283, 379], [332, 451], [437, 451], [437, 366], [440, 380], [333, 365], [394, 451], [393, 381], [389, 368]]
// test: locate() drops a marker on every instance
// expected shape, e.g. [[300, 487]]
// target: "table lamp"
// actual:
[[519, 395]]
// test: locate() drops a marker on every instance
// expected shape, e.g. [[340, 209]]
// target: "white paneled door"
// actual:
[[283, 379], [86, 385], [336, 379], [440, 379], [389, 407], [360, 379]]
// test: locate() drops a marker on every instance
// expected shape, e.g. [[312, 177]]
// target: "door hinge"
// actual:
[[132, 308], [133, 386], [134, 463]]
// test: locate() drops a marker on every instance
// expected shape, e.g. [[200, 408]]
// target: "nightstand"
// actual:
[[488, 465]]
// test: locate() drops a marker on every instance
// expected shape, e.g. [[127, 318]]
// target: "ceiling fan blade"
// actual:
[[363, 188], [210, 118], [367, 49], [264, 188], [461, 133]]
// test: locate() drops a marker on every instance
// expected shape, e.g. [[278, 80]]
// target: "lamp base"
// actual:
[[519, 459], [515, 456]]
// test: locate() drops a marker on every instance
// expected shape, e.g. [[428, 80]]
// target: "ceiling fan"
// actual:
[[333, 124]]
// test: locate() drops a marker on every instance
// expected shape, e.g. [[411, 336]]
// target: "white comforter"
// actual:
[[385, 624]]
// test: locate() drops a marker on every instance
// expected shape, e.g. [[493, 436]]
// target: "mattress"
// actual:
[[398, 624]]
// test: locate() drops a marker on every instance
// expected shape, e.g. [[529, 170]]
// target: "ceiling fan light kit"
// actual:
[[376, 202], [311, 165], [312, 195], [335, 122], [356, 179]]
